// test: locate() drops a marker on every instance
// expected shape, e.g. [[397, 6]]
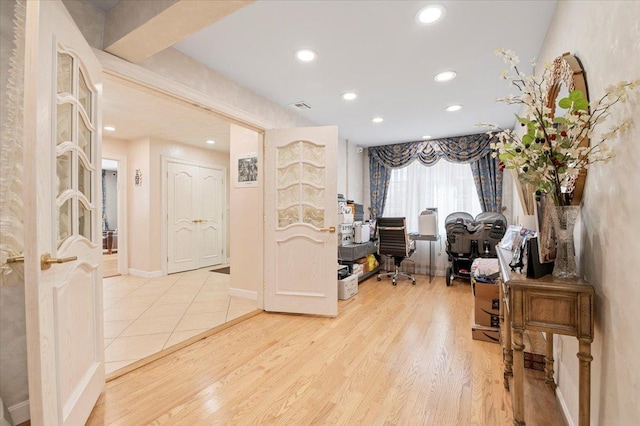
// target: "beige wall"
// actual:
[[605, 35], [246, 218], [138, 205], [351, 172]]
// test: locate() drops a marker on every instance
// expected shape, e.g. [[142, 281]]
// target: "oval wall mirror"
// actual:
[[567, 75]]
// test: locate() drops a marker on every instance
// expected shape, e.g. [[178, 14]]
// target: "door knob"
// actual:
[[331, 229], [46, 260], [16, 259]]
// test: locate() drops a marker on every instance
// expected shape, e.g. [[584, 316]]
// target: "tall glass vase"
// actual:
[[563, 224]]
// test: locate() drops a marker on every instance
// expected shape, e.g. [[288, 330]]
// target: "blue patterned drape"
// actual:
[[471, 149], [379, 176], [488, 179]]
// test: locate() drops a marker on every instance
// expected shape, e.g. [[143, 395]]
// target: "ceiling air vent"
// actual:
[[301, 105]]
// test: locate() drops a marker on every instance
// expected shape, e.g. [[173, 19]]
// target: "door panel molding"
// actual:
[[299, 256], [57, 310], [221, 227]]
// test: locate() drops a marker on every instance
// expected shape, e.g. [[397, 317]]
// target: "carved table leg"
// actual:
[[584, 391], [518, 378], [507, 352], [548, 363]]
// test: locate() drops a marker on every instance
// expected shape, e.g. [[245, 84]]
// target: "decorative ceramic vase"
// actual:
[[563, 224]]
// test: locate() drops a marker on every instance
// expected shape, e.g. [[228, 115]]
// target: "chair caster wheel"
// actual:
[[413, 282], [379, 279], [393, 282]]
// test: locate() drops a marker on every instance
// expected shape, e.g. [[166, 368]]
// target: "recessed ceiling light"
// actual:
[[109, 128], [426, 137], [306, 55], [211, 141], [349, 96], [445, 76], [430, 14], [453, 108], [377, 120]]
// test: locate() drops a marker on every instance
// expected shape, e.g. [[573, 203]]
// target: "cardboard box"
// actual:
[[486, 334], [345, 218], [358, 269], [348, 287], [486, 312], [345, 228], [345, 240], [485, 290]]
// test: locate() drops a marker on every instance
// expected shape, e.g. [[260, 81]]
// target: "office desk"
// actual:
[[551, 305], [351, 252], [430, 239]]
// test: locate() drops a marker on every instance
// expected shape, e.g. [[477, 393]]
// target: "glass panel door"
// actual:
[[75, 156]]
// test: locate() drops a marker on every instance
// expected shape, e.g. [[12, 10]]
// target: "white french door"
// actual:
[[195, 226], [301, 215], [63, 242]]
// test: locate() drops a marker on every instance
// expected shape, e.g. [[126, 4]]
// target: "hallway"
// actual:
[[144, 316]]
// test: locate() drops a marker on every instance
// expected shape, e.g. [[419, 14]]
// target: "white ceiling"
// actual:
[[374, 48], [377, 49], [138, 113]]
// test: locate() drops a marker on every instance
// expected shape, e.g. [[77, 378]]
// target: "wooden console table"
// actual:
[[551, 305]]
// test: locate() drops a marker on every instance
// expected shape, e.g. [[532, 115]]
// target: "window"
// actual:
[[447, 186]]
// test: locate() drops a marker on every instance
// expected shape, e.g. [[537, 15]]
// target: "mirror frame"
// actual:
[[567, 70]]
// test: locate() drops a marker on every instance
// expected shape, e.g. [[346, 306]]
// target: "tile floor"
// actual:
[[143, 316]]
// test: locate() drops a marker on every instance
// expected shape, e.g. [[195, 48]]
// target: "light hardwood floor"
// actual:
[[394, 355]]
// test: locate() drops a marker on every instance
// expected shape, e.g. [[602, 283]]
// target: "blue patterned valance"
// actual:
[[461, 149]]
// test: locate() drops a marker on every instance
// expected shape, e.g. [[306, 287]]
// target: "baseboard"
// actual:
[[145, 274], [245, 294], [20, 412], [565, 410]]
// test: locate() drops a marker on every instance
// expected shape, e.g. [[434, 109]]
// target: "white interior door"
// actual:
[[63, 239], [195, 206], [301, 215], [211, 206], [182, 218]]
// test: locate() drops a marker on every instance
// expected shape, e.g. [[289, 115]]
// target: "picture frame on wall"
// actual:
[[543, 211], [247, 171]]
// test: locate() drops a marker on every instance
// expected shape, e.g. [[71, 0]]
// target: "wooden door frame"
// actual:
[[164, 200], [123, 252]]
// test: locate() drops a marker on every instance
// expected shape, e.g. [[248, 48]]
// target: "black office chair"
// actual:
[[393, 241]]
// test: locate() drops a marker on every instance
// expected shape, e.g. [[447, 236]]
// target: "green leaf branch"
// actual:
[[551, 149]]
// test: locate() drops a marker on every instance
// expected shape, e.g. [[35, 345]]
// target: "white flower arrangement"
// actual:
[[554, 147]]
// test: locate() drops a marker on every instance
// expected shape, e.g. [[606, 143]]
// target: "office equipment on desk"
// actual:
[[393, 241], [343, 271], [428, 221], [361, 233], [430, 239]]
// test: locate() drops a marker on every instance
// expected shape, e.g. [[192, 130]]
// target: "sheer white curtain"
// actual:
[[447, 186]]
